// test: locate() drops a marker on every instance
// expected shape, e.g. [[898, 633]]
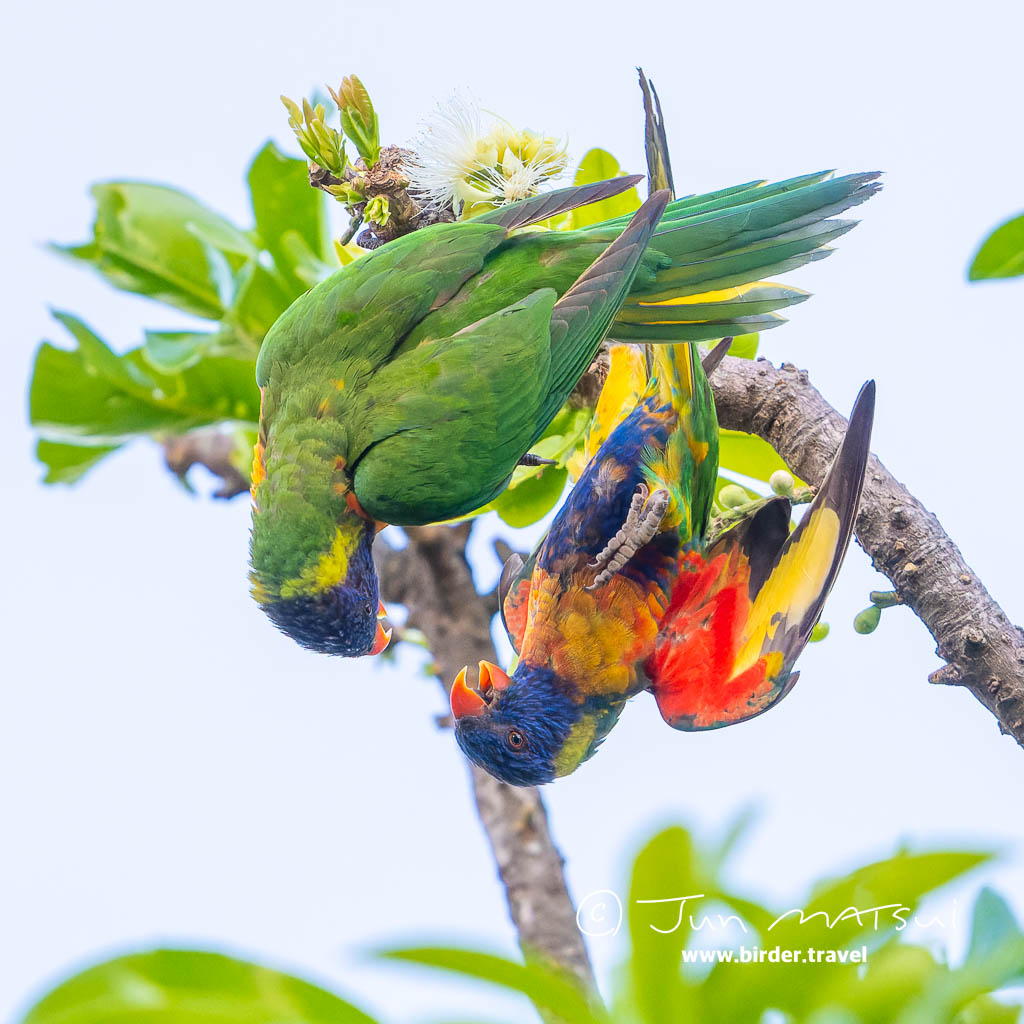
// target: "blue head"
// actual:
[[515, 729], [342, 617]]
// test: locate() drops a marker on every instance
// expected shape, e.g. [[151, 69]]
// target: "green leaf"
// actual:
[[993, 925], [159, 242], [599, 165], [172, 351], [68, 463], [90, 392], [261, 298], [564, 434], [826, 921], [665, 868], [549, 989], [172, 986], [749, 455], [745, 346], [284, 204], [309, 268], [531, 498], [1001, 254]]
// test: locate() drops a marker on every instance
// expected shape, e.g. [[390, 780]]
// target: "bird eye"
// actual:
[[516, 740]]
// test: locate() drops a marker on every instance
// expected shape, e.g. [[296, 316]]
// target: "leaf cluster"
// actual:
[[902, 983]]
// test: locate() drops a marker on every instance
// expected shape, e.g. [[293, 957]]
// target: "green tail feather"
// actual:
[[730, 238]]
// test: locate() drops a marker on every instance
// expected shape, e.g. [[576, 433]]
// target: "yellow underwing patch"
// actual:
[[793, 587]]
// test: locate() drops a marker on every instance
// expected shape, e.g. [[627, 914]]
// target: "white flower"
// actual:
[[461, 164]]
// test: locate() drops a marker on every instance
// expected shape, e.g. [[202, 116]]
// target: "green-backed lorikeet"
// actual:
[[406, 387], [629, 592]]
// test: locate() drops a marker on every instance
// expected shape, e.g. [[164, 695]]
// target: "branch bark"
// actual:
[[432, 578], [983, 650]]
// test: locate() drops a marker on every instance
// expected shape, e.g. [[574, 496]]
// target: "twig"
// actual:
[[983, 650], [209, 447]]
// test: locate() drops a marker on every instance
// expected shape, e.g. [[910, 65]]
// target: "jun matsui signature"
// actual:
[[600, 914]]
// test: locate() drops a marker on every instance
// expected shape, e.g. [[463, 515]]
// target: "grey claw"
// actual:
[[646, 511]]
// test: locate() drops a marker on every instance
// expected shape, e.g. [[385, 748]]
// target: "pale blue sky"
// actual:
[[177, 771]]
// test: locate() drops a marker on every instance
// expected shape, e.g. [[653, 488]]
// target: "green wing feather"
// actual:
[[361, 312], [471, 402], [480, 398]]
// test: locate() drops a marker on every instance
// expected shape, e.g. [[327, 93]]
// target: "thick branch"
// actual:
[[432, 578], [982, 649]]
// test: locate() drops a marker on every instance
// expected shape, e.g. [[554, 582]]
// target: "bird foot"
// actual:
[[642, 521]]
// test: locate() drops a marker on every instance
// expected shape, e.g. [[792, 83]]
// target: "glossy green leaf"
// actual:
[[745, 346], [261, 298], [283, 204], [665, 869], [532, 498], [564, 435], [992, 925], [162, 243], [68, 463], [749, 455], [173, 351], [91, 393], [171, 986], [599, 165], [1001, 254], [550, 990]]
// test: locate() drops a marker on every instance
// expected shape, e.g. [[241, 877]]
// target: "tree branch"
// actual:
[[432, 578], [983, 650]]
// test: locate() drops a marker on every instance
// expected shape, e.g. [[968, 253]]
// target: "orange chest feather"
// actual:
[[595, 640]]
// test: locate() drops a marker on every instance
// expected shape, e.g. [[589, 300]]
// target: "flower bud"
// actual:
[[782, 482], [867, 620], [733, 496]]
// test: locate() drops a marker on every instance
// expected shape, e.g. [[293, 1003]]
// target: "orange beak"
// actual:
[[383, 636], [464, 700], [492, 677]]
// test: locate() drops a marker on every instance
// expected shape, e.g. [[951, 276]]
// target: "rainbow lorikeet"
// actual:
[[629, 591], [406, 387]]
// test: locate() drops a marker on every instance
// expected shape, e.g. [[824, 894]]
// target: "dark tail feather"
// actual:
[[715, 356], [844, 484], [659, 166], [582, 316], [550, 204]]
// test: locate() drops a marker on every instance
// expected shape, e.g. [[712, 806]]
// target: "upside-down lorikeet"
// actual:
[[710, 625], [406, 387]]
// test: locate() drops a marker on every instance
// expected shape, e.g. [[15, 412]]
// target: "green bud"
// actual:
[[294, 111], [819, 632], [307, 147], [358, 118], [378, 211], [884, 598], [733, 496], [782, 482], [867, 620]]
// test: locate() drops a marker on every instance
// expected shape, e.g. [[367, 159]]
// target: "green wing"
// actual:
[[443, 426], [359, 314], [440, 430]]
